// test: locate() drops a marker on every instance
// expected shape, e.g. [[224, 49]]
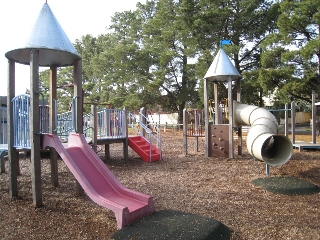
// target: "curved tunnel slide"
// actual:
[[98, 181], [263, 140]]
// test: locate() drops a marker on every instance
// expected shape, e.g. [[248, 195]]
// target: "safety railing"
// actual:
[[147, 129], [64, 124], [111, 123], [88, 127], [21, 121]]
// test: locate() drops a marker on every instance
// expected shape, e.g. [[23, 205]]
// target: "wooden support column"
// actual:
[[107, 151], [142, 120], [206, 122], [94, 123], [314, 120], [238, 82], [217, 116], [2, 162], [230, 103], [53, 124], [78, 94], [293, 122], [77, 74], [126, 141], [286, 120], [13, 160], [185, 131], [35, 129]]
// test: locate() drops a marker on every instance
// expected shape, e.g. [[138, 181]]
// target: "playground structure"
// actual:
[[32, 128], [263, 141], [193, 127]]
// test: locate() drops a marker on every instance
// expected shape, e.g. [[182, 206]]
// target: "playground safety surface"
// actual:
[[193, 188]]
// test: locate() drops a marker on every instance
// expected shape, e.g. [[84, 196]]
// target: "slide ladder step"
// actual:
[[142, 147]]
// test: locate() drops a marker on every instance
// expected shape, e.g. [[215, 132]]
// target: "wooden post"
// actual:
[[230, 103], [240, 127], [293, 122], [142, 120], [2, 162], [314, 120], [125, 142], [35, 129], [94, 123], [185, 132], [217, 114], [107, 151], [286, 117], [13, 160], [78, 94], [52, 127], [77, 71], [206, 120]]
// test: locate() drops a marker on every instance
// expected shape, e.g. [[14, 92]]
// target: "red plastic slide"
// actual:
[[98, 181]]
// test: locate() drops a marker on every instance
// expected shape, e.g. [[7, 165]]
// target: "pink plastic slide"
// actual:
[[98, 181]]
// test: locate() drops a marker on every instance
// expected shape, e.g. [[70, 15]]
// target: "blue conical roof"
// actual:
[[47, 36], [222, 68]]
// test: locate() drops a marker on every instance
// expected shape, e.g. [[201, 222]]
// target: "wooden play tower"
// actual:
[[219, 137], [262, 140], [47, 46]]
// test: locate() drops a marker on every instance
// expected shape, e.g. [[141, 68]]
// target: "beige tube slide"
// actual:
[[263, 141]]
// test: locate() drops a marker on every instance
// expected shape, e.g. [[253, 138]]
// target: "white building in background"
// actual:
[[166, 118], [162, 118]]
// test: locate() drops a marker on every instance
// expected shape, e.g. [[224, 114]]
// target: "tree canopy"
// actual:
[[156, 56], [291, 55]]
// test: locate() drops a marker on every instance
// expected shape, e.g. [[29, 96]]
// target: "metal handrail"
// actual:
[[140, 127]]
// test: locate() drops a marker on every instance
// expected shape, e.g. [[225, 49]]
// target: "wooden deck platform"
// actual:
[[305, 145]]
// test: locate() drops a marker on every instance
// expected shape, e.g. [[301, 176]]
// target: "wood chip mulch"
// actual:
[[217, 188]]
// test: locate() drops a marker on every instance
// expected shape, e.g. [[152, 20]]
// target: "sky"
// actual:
[[77, 18]]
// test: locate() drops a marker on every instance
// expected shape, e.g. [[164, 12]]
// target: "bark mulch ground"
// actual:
[[203, 194]]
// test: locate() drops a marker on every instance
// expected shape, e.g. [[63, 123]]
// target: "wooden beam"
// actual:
[[206, 121], [185, 130], [94, 123], [126, 141], [78, 95], [293, 122], [35, 129], [230, 103], [217, 116], [240, 142], [314, 119], [53, 124], [13, 160], [77, 74]]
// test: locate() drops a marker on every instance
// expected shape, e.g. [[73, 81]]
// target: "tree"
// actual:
[[246, 23], [125, 63], [291, 55]]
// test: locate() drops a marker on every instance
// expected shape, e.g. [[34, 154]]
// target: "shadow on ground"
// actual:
[[170, 224], [287, 185]]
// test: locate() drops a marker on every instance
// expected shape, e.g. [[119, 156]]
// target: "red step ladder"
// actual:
[[142, 147]]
